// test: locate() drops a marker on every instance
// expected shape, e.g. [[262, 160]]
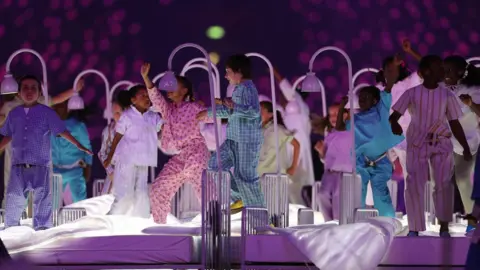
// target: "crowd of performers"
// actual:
[[428, 119]]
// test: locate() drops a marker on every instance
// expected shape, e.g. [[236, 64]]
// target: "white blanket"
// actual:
[[359, 246]]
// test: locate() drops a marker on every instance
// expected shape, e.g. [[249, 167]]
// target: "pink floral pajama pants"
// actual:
[[187, 166]]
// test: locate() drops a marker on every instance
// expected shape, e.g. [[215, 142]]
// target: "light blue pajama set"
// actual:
[[67, 159], [373, 138], [31, 130], [241, 149]]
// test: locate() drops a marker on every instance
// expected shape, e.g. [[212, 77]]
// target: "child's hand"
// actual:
[[406, 46], [396, 128], [319, 147], [228, 103], [291, 170], [466, 99], [80, 85], [107, 162], [145, 69], [201, 116], [467, 155], [344, 101], [398, 59]]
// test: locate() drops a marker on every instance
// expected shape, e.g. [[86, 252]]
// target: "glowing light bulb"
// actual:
[[214, 57], [215, 32]]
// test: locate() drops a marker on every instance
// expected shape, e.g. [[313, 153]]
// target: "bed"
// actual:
[[379, 241], [100, 241]]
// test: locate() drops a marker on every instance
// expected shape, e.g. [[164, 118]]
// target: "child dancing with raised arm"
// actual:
[[241, 149], [180, 134], [133, 150], [29, 127], [431, 106], [373, 138]]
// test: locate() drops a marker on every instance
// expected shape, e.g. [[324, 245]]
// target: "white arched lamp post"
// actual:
[[322, 92], [361, 71], [274, 104], [9, 84], [76, 101], [107, 113], [194, 63], [474, 59], [312, 84]]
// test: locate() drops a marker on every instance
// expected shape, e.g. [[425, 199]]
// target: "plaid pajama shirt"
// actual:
[[241, 149]]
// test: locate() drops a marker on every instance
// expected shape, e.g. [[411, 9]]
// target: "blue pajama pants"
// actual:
[[378, 176], [75, 181], [37, 179], [243, 157]]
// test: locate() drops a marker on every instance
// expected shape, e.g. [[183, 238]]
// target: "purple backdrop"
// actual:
[[115, 37]]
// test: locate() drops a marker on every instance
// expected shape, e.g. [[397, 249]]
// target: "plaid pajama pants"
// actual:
[[36, 178], [243, 157]]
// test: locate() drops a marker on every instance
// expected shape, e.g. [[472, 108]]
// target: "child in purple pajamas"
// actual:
[[29, 127]]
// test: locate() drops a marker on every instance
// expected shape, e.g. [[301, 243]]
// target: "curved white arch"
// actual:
[[42, 62], [474, 59], [215, 77], [158, 77], [107, 114], [274, 104], [105, 81], [361, 71], [351, 95], [322, 92]]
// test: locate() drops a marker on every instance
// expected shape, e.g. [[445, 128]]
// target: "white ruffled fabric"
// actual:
[[359, 246]]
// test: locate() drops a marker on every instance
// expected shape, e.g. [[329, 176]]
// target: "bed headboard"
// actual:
[[216, 219], [350, 197], [275, 190]]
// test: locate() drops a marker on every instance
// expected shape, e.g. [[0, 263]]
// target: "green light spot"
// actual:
[[215, 32]]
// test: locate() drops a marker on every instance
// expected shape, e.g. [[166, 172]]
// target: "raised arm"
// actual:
[[341, 125], [158, 101], [407, 47], [285, 86], [66, 94]]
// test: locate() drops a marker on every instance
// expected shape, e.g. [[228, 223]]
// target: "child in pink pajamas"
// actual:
[[180, 134], [431, 106]]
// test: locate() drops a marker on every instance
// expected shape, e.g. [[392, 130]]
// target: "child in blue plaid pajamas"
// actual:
[[241, 149], [29, 127]]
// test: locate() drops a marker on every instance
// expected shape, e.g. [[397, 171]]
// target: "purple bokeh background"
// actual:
[[115, 37]]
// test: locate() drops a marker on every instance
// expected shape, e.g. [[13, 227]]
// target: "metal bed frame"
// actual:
[[215, 232]]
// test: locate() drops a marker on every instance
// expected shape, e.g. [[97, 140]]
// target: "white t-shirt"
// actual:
[[138, 145], [469, 120]]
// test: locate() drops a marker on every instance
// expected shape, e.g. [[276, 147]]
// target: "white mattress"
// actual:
[[404, 251], [119, 249]]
